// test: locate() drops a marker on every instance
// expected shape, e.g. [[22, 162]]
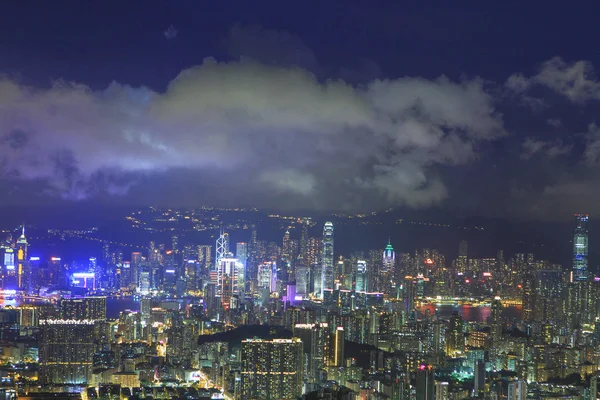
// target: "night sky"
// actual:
[[489, 109]]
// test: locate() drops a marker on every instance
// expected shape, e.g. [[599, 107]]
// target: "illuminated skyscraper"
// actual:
[[361, 276], [425, 383], [271, 369], [327, 259], [23, 274], [241, 252], [267, 276], [580, 248], [337, 359], [517, 390], [229, 271], [222, 247], [389, 258], [66, 351], [84, 308]]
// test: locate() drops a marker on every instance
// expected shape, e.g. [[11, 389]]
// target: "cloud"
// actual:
[[550, 149], [171, 32], [269, 129], [576, 81], [591, 155]]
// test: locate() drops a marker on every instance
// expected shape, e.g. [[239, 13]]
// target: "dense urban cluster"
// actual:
[[296, 319]]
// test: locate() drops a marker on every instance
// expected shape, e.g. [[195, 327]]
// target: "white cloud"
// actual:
[[286, 130], [552, 148], [576, 81]]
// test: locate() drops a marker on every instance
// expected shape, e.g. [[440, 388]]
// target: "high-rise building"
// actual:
[[271, 369], [222, 246], [455, 338], [327, 259], [241, 252], [229, 271], [66, 351], [23, 273], [337, 359], [442, 391], [315, 339], [361, 284], [84, 308], [425, 382], [267, 276], [389, 258], [517, 390], [580, 248]]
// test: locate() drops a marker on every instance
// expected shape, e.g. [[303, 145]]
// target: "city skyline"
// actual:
[[299, 200]]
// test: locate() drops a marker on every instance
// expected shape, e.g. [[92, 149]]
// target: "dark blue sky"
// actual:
[[97, 42], [541, 162]]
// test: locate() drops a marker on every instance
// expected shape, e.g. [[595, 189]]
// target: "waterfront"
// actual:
[[471, 313]]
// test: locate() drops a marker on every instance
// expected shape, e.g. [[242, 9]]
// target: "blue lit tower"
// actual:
[[327, 258], [580, 248]]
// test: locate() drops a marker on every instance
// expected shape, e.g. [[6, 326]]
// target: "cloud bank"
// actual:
[[319, 144]]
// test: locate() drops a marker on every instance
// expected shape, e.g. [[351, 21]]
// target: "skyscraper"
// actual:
[[389, 258], [66, 351], [442, 391], [517, 390], [222, 246], [425, 383], [85, 308], [23, 275], [241, 252], [580, 248], [337, 359], [271, 369], [361, 276], [229, 271], [327, 258]]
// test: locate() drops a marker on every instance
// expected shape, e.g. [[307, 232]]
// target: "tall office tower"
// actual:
[[315, 339], [425, 383], [479, 378], [529, 294], [267, 276], [389, 258], [580, 248], [455, 338], [361, 282], [241, 252], [442, 391], [302, 280], [136, 260], [23, 273], [175, 244], [286, 246], [517, 390], [594, 387], [85, 308], [271, 369], [253, 258], [204, 258], [304, 243], [337, 359], [327, 258], [66, 351], [462, 260], [222, 246], [229, 271]]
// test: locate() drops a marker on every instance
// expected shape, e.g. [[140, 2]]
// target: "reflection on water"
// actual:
[[114, 306], [470, 313]]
